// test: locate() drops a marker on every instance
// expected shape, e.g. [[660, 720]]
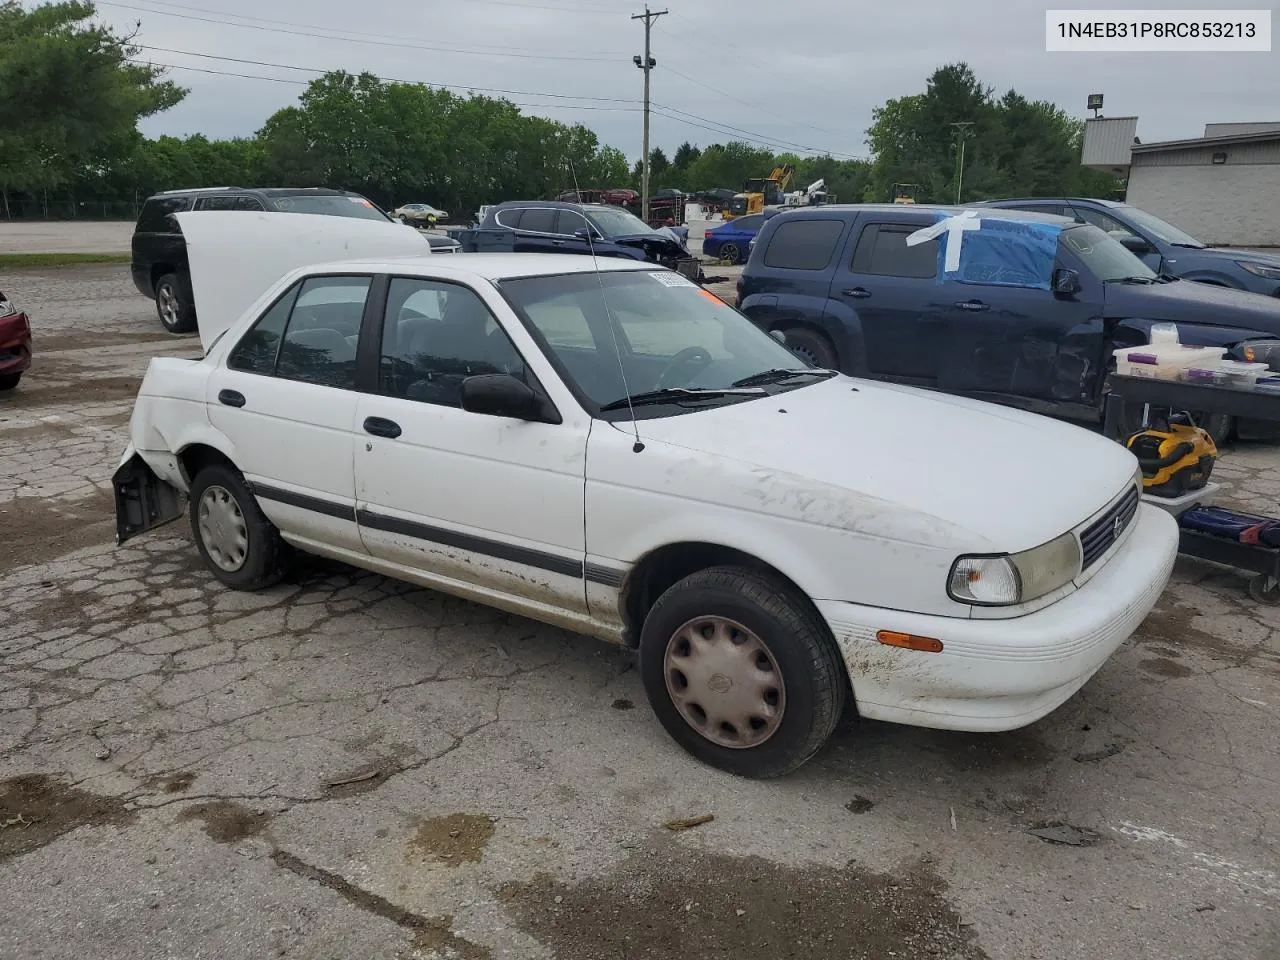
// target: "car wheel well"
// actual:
[[158, 270], [200, 455], [666, 566]]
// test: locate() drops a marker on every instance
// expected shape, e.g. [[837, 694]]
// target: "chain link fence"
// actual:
[[24, 207]]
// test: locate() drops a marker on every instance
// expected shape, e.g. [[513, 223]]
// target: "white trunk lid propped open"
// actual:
[[236, 257]]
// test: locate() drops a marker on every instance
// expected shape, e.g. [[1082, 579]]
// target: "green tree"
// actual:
[[70, 96]]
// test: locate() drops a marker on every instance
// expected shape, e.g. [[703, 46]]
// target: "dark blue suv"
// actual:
[[1036, 332], [1160, 245]]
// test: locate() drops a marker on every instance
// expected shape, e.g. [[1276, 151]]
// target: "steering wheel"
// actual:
[[689, 361]]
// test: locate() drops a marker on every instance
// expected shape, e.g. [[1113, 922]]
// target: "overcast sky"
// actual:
[[803, 73]]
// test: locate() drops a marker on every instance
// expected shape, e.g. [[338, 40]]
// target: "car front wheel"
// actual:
[[812, 347], [241, 547], [9, 380], [173, 304], [741, 671]]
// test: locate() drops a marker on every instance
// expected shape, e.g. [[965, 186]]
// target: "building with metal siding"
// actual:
[[1223, 188]]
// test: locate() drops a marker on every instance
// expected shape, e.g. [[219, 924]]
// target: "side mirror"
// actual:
[[779, 335], [1066, 283], [587, 236], [502, 395], [1135, 244]]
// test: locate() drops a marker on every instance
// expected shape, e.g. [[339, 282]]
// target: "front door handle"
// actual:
[[557, 243], [232, 398], [972, 305], [858, 293], [382, 427]]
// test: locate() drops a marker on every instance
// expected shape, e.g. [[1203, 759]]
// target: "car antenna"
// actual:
[[638, 446]]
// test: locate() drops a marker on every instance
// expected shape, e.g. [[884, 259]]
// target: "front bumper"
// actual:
[[15, 343], [1003, 674]]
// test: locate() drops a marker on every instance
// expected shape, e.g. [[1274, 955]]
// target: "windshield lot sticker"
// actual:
[[672, 280], [993, 251]]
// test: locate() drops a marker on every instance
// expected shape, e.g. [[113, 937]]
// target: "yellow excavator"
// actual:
[[760, 192]]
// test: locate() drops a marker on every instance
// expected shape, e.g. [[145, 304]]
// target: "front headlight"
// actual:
[[1008, 579], [6, 307], [1257, 351], [1260, 269]]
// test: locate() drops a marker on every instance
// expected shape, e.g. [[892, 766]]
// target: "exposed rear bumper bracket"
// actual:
[[143, 500]]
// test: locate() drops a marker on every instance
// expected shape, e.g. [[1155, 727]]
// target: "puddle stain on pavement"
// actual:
[[677, 902], [452, 840], [37, 809], [225, 821]]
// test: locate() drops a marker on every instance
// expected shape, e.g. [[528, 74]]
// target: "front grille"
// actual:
[[1097, 538]]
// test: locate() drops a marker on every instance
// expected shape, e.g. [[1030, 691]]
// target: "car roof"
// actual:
[[485, 266], [588, 207], [918, 211], [1099, 202], [266, 191]]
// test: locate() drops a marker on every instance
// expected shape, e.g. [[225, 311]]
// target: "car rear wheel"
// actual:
[[812, 347], [173, 304], [9, 380], [741, 671], [730, 252], [241, 547]]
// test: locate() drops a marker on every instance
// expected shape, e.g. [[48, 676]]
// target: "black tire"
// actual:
[[174, 304], [813, 681], [9, 380], [730, 252], [812, 347], [266, 557], [1263, 591]]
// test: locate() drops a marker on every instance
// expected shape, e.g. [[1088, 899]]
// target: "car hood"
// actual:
[[655, 238], [1225, 254], [1184, 301], [235, 257], [909, 465]]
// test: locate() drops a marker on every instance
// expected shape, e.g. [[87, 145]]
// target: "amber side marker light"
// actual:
[[909, 641]]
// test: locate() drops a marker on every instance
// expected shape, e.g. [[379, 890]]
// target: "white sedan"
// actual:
[[620, 453], [419, 212]]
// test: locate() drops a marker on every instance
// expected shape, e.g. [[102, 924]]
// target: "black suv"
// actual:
[[160, 253]]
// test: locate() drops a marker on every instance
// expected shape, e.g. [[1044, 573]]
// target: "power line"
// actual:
[[303, 83], [752, 135], [309, 32], [446, 86]]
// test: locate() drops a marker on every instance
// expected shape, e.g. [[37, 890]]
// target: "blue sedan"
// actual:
[[731, 241]]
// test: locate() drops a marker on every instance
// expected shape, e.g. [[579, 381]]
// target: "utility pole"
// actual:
[[964, 130], [647, 64]]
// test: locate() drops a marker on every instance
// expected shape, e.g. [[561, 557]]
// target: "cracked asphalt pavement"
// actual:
[[344, 766]]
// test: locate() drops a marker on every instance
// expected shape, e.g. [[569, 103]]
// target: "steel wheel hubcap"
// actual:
[[222, 528], [724, 682], [168, 305]]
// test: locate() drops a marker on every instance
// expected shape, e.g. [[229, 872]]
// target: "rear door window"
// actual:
[[882, 251], [216, 203], [249, 203], [156, 216], [803, 244], [539, 220], [510, 219]]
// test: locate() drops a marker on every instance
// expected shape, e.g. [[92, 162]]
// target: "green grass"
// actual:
[[59, 259]]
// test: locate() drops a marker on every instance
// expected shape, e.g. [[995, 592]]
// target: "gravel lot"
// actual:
[[344, 766]]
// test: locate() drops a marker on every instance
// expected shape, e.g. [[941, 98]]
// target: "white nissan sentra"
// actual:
[[616, 451]]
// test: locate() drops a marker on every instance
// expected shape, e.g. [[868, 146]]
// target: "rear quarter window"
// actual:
[[154, 217], [803, 244]]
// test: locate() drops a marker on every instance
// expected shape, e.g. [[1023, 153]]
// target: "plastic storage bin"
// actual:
[[1164, 361]]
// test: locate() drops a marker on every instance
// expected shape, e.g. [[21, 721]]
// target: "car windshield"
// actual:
[[330, 206], [628, 333], [619, 223], [1104, 255], [1165, 232]]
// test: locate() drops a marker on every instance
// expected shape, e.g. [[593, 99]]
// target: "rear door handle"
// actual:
[[232, 398], [857, 292], [382, 427], [973, 305]]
